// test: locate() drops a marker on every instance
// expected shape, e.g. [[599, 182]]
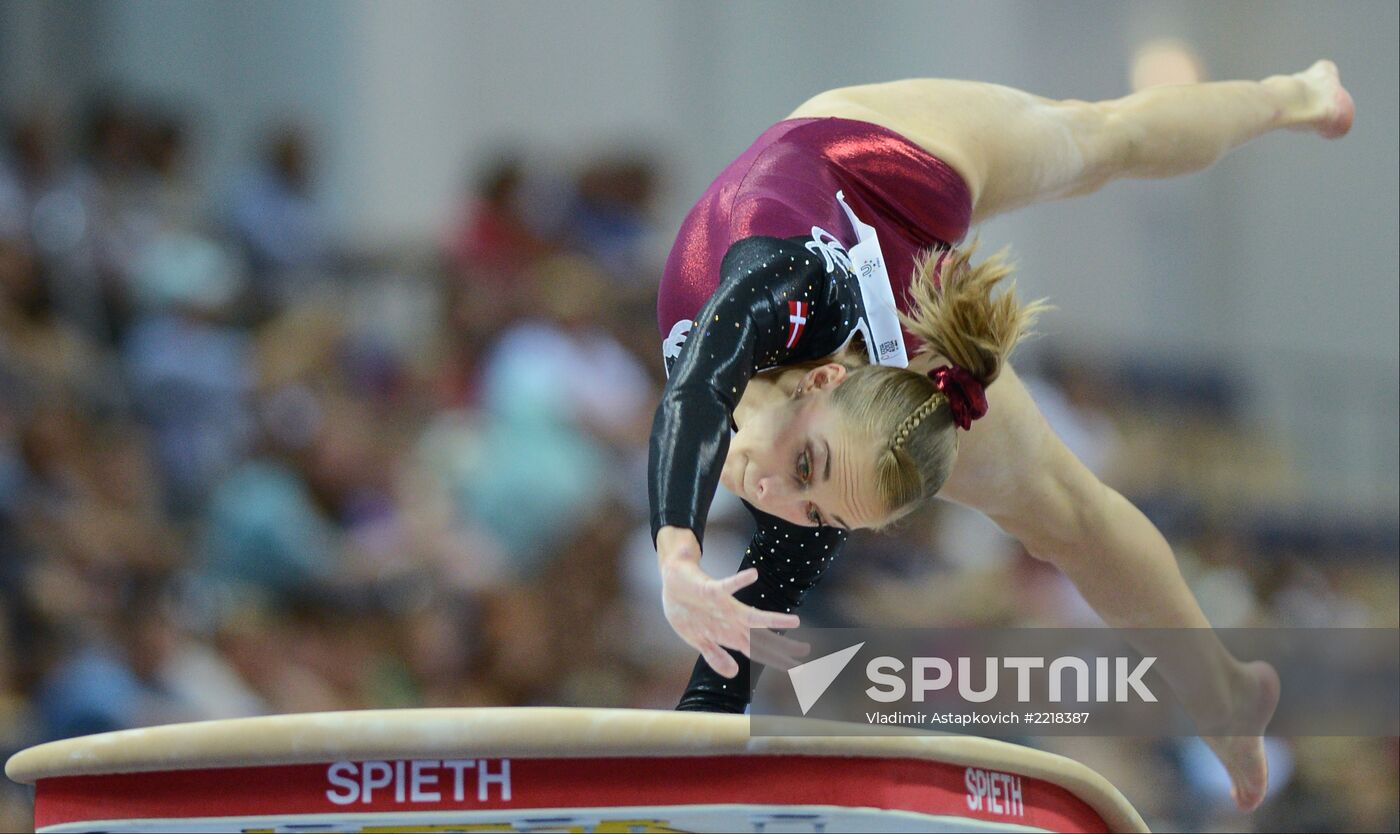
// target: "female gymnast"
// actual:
[[814, 305]]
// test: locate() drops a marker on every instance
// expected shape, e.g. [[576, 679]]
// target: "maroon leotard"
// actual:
[[785, 184]]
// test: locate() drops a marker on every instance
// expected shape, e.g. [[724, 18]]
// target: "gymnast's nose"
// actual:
[[771, 492], [779, 501]]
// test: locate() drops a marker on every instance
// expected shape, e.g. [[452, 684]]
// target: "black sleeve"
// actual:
[[745, 327], [791, 561]]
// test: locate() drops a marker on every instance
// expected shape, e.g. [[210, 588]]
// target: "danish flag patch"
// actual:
[[797, 320]]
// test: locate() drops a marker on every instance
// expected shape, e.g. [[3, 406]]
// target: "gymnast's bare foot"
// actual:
[[1330, 110], [1243, 755]]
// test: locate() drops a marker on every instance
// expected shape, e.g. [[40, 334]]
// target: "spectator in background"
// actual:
[[32, 169], [265, 531], [137, 160], [111, 162], [560, 361], [611, 220], [547, 427], [112, 144], [146, 670], [274, 215], [167, 191], [51, 206], [489, 243], [42, 356], [190, 370], [490, 238]]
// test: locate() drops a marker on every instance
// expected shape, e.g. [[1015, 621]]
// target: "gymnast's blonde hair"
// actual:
[[956, 316]]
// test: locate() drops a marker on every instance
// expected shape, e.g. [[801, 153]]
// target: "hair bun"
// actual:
[[967, 396]]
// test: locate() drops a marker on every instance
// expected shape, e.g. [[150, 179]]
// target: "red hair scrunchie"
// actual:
[[967, 396]]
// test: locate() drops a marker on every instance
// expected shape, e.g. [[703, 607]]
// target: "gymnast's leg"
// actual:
[[1015, 149]]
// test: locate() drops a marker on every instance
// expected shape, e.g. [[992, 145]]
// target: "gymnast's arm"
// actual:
[[742, 328], [790, 561]]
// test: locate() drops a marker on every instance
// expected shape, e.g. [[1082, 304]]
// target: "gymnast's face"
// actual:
[[796, 459]]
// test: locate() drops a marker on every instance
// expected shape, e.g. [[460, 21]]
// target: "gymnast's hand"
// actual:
[[704, 612]]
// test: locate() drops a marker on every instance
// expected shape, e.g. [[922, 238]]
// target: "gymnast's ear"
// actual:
[[827, 375]]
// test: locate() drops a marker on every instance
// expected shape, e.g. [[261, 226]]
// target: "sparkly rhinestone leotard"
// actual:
[[760, 277]]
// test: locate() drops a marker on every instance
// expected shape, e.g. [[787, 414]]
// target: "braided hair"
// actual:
[[914, 417]]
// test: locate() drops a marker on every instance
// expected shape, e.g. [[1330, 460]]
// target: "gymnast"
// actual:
[[816, 306]]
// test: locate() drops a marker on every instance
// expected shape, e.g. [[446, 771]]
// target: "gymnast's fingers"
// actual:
[[719, 659], [733, 636], [784, 644], [777, 651], [758, 618], [742, 579]]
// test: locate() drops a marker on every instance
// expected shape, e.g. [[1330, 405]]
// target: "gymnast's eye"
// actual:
[[804, 467], [813, 515]]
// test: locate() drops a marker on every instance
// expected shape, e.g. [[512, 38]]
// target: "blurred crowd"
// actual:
[[247, 467]]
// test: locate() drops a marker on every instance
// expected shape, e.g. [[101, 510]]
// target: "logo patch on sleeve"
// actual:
[[671, 347], [797, 320], [833, 254]]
